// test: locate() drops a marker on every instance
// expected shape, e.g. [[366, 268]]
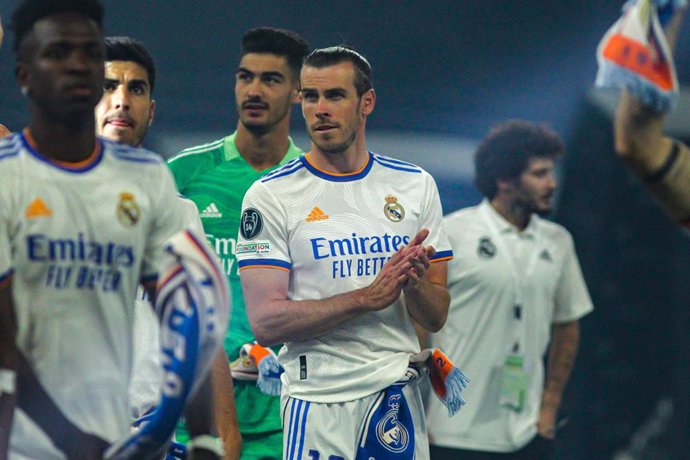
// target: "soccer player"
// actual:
[[82, 222], [661, 162], [216, 176], [340, 250], [516, 287], [124, 114]]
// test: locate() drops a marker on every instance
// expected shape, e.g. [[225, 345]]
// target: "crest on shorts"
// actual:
[[393, 210], [251, 223], [127, 211], [486, 248]]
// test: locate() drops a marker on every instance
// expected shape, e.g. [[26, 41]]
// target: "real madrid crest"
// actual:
[[393, 210], [486, 248], [128, 212]]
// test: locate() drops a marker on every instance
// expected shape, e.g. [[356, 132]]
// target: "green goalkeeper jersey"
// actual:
[[216, 177]]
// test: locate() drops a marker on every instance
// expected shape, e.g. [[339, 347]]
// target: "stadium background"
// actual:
[[444, 72]]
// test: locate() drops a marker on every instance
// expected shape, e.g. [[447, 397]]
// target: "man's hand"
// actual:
[[419, 260], [546, 425], [404, 269]]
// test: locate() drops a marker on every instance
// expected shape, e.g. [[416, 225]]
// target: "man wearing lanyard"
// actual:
[[515, 286]]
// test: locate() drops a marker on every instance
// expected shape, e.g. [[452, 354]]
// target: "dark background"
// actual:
[[445, 72]]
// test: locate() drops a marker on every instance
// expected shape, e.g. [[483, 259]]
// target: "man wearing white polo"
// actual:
[[515, 286]]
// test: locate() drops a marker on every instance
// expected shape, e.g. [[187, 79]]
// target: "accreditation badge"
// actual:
[[514, 383]]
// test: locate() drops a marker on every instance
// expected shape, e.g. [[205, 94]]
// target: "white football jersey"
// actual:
[[76, 240], [334, 233]]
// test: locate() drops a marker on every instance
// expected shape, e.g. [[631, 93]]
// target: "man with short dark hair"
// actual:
[[516, 286], [127, 108], [216, 175], [340, 250], [124, 114], [83, 221]]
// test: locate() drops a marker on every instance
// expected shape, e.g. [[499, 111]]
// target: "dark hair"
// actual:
[[506, 150], [31, 11], [280, 42], [129, 49], [326, 57]]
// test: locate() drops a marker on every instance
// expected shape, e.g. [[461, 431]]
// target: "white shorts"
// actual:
[[317, 431]]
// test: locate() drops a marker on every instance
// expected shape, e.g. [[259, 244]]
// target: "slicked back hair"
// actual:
[[129, 49], [326, 57], [505, 152], [280, 42]]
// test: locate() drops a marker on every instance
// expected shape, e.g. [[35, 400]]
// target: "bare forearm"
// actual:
[[562, 353], [428, 304], [224, 407], [282, 321], [199, 410], [639, 131], [639, 136]]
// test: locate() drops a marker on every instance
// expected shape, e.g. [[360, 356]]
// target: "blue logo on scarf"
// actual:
[[388, 431]]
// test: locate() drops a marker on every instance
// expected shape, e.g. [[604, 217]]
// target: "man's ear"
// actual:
[[21, 74], [152, 111], [295, 96], [505, 185], [368, 102]]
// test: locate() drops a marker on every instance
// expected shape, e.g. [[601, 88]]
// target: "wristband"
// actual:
[[665, 168], [8, 380], [206, 442]]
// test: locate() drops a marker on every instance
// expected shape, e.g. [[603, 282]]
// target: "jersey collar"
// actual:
[[75, 167], [348, 177], [230, 150]]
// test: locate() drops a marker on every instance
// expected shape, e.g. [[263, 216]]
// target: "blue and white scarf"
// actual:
[[193, 303]]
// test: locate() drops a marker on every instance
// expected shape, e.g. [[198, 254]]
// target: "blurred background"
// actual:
[[445, 72]]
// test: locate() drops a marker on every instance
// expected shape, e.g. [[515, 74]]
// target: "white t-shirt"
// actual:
[[334, 233], [495, 268], [77, 239]]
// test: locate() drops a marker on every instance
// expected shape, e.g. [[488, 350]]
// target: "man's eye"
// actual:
[[56, 53], [109, 86]]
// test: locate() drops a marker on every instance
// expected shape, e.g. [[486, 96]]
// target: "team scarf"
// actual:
[[387, 430], [635, 55], [193, 304], [258, 364]]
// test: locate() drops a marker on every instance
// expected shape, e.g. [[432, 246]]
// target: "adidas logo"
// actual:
[[316, 214], [211, 211], [545, 255], [37, 208]]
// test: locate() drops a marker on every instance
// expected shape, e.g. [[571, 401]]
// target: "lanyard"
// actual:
[[519, 282]]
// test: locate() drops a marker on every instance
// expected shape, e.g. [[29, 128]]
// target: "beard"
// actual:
[[337, 148]]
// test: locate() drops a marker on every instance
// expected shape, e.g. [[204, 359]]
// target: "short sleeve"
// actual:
[[263, 237], [572, 297], [168, 217], [432, 218]]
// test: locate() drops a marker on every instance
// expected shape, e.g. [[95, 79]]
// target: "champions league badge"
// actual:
[[393, 210], [251, 223], [128, 212], [486, 248]]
